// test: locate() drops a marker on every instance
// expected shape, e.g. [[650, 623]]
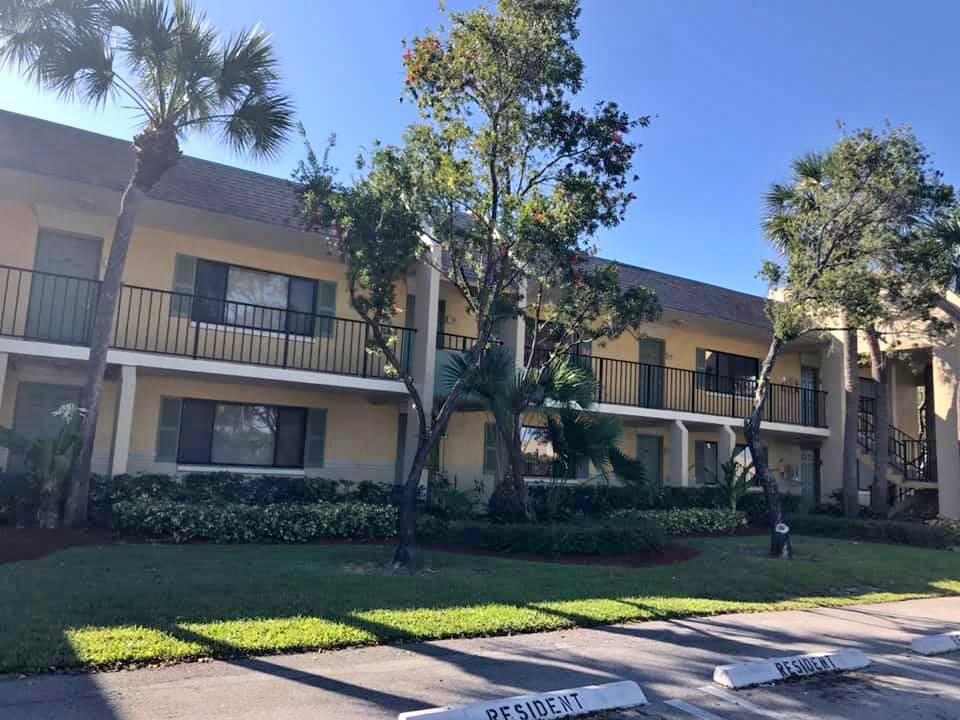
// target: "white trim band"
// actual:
[[744, 675], [543, 706]]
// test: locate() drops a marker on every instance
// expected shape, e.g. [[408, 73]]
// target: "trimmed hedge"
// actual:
[[688, 521], [550, 540], [937, 534], [222, 487], [239, 523]]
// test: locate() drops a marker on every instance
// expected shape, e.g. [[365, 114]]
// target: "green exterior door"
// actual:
[[63, 291], [650, 453], [810, 477], [651, 377], [33, 416]]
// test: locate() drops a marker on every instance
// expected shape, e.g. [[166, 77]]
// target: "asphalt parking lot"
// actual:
[[894, 686]]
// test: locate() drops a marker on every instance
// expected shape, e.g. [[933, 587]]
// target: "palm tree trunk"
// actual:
[[880, 492], [751, 430], [78, 487], [851, 389]]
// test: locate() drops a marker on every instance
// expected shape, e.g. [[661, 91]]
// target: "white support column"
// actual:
[[679, 454], [831, 452], [424, 357], [514, 330], [124, 420], [4, 359], [727, 444], [945, 380]]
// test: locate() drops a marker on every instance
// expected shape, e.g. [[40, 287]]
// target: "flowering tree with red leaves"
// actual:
[[504, 174]]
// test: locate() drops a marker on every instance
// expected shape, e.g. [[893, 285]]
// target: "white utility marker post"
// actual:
[[555, 704]]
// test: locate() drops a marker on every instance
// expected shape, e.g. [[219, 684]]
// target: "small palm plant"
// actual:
[[48, 462], [179, 76]]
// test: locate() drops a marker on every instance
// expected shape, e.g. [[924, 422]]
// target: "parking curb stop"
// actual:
[[542, 706], [748, 674], [936, 644]]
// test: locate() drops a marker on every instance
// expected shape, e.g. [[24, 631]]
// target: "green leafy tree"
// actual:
[[503, 181], [170, 66], [853, 228]]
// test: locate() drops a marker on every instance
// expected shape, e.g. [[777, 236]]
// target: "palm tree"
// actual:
[[793, 215], [560, 391], [178, 76]]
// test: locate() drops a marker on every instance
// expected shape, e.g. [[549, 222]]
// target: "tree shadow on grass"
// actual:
[[237, 657], [164, 587]]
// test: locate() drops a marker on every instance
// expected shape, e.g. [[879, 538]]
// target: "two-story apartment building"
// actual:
[[235, 346]]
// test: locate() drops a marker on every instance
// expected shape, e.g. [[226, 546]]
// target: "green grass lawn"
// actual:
[[105, 606]]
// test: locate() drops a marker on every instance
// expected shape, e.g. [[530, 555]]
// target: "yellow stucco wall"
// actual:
[[361, 437], [152, 254], [681, 345]]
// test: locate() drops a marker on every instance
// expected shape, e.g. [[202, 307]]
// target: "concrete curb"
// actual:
[[936, 644], [744, 675], [541, 706]]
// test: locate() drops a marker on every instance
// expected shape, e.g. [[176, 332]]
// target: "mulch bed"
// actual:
[[31, 543], [670, 555]]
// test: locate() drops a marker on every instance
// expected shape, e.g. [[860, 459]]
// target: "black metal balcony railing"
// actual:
[[908, 455], [459, 343], [623, 382], [58, 308]]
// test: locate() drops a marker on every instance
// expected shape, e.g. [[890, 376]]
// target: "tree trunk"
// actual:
[[405, 554], [751, 430], [156, 150], [78, 487], [851, 389], [880, 492]]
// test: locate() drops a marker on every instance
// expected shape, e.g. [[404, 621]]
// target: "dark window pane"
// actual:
[[291, 427], [244, 435], [303, 294], [196, 424], [211, 290], [256, 299]]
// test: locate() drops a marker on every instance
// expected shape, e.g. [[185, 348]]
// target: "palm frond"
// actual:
[[79, 66], [810, 166], [260, 125], [248, 67]]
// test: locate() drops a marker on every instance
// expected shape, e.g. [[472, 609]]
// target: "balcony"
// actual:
[[60, 309], [658, 387]]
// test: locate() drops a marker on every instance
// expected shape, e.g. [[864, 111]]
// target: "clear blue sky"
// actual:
[[737, 90]]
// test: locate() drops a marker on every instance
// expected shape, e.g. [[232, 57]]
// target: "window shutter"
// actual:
[[326, 305], [490, 448], [316, 437], [184, 278], [168, 429]]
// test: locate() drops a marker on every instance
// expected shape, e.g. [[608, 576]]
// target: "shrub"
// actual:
[[687, 521], [937, 534], [550, 540], [755, 506], [238, 522], [221, 487]]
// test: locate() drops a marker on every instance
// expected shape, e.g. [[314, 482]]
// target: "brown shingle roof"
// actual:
[[47, 148], [698, 298]]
